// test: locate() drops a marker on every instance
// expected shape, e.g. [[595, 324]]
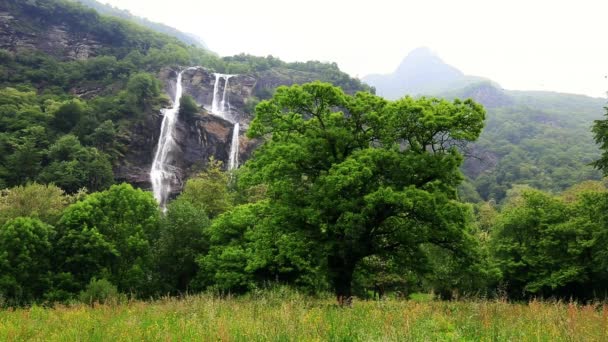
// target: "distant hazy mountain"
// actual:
[[188, 38], [537, 138], [421, 72], [540, 139]]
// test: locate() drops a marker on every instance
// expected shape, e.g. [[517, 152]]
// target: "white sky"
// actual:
[[557, 45]]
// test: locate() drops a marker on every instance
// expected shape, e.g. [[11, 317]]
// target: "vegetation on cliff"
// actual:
[[348, 192]]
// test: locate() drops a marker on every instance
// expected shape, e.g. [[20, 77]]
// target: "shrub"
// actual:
[[100, 291]]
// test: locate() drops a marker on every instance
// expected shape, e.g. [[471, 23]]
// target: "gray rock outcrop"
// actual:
[[199, 138]]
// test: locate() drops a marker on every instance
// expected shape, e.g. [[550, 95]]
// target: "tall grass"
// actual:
[[280, 316]]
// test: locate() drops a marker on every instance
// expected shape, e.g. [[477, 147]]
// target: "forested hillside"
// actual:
[[73, 79], [101, 8], [541, 139], [291, 174]]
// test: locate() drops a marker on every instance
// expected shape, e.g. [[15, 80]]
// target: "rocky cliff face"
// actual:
[[68, 32], [206, 135], [56, 40], [199, 138]]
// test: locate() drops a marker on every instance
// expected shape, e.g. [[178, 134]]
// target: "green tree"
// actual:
[[111, 234], [25, 259], [547, 247], [24, 151], [249, 246], [68, 115], [143, 89], [182, 239], [187, 108], [44, 202], [106, 139], [209, 190], [359, 176], [600, 133], [74, 166]]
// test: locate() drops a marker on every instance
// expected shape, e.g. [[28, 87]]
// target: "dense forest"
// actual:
[[543, 140], [187, 38], [348, 192]]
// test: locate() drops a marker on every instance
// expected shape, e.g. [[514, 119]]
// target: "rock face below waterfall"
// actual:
[[199, 83], [205, 135], [198, 138]]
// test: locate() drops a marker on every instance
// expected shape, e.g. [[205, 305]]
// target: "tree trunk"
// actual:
[[342, 278]]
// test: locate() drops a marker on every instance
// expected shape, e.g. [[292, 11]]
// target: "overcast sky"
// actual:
[[557, 45]]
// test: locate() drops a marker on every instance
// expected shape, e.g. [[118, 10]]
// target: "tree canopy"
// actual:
[[359, 176]]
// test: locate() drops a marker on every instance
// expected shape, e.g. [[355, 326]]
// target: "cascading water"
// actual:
[[162, 172], [233, 162], [222, 108], [215, 105], [225, 109]]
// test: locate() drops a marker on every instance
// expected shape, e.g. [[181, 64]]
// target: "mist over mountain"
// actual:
[[185, 37], [269, 173], [420, 72], [110, 73], [536, 138]]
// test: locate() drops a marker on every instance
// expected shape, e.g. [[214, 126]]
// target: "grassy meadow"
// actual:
[[296, 317]]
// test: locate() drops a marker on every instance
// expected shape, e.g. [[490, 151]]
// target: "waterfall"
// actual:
[[234, 148], [162, 172], [222, 108], [215, 102]]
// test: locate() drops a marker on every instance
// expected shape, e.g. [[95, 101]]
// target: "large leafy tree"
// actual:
[[25, 259], [209, 190], [181, 239], [44, 202], [110, 234], [553, 246], [600, 133], [74, 166], [360, 176]]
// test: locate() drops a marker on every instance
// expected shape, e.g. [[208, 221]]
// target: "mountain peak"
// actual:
[[423, 61], [421, 52], [421, 72]]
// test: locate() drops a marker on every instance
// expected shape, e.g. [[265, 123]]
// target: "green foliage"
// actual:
[[225, 265], [34, 149], [248, 248], [350, 177], [99, 291], [43, 202], [68, 116], [547, 150], [209, 190], [111, 234], [25, 259], [105, 139], [182, 239], [600, 134], [188, 109], [143, 88], [545, 246], [73, 166]]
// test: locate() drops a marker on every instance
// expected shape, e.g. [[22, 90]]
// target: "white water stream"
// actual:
[[221, 107], [233, 162], [162, 173]]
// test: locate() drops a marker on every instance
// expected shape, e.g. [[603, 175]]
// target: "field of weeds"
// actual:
[[296, 317]]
